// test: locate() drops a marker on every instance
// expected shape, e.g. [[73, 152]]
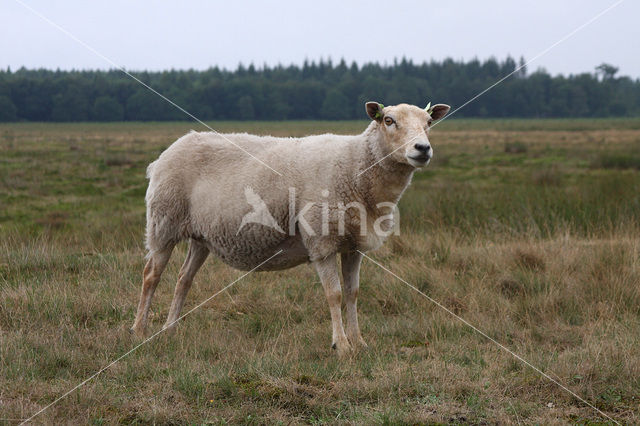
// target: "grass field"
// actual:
[[528, 229]]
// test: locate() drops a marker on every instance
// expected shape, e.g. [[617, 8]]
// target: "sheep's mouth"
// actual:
[[422, 159]]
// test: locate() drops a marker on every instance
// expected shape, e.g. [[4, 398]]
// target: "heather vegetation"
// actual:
[[528, 229]]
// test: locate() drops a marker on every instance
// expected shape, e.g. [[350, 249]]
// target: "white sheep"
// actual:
[[342, 188]]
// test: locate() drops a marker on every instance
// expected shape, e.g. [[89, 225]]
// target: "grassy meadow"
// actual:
[[528, 229]]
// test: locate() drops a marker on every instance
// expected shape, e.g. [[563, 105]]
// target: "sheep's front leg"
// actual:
[[328, 273], [351, 275]]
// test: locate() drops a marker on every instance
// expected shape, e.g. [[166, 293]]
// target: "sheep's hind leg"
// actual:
[[151, 277], [351, 276], [328, 272], [196, 256]]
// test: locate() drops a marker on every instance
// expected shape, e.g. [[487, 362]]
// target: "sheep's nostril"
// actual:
[[422, 148]]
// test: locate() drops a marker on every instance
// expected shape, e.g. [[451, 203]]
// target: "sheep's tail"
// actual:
[[151, 226]]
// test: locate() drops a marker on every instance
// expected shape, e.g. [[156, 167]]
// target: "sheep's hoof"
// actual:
[[358, 341], [171, 326], [343, 348], [137, 332], [169, 330]]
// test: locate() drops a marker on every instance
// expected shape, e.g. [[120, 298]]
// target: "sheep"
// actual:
[[206, 190]]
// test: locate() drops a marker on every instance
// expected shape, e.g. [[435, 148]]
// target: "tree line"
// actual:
[[316, 90]]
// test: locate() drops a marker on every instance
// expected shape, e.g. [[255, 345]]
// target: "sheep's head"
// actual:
[[405, 130]]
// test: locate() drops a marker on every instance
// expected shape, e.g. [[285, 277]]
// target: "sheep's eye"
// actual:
[[429, 123], [388, 121]]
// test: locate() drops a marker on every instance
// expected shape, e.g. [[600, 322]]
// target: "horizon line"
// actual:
[[311, 62]]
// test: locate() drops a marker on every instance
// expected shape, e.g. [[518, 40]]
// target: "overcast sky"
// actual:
[[155, 35]]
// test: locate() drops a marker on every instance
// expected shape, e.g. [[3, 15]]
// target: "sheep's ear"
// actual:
[[374, 110], [439, 110]]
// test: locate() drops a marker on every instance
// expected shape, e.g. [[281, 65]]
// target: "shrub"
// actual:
[[617, 161]]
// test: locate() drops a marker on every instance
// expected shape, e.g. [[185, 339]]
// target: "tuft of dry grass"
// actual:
[[551, 270]]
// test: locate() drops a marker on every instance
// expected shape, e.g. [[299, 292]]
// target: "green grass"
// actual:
[[537, 245]]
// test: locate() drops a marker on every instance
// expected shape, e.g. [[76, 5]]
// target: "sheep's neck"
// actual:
[[387, 179]]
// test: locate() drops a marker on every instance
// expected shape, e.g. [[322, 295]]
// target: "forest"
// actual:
[[315, 90]]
